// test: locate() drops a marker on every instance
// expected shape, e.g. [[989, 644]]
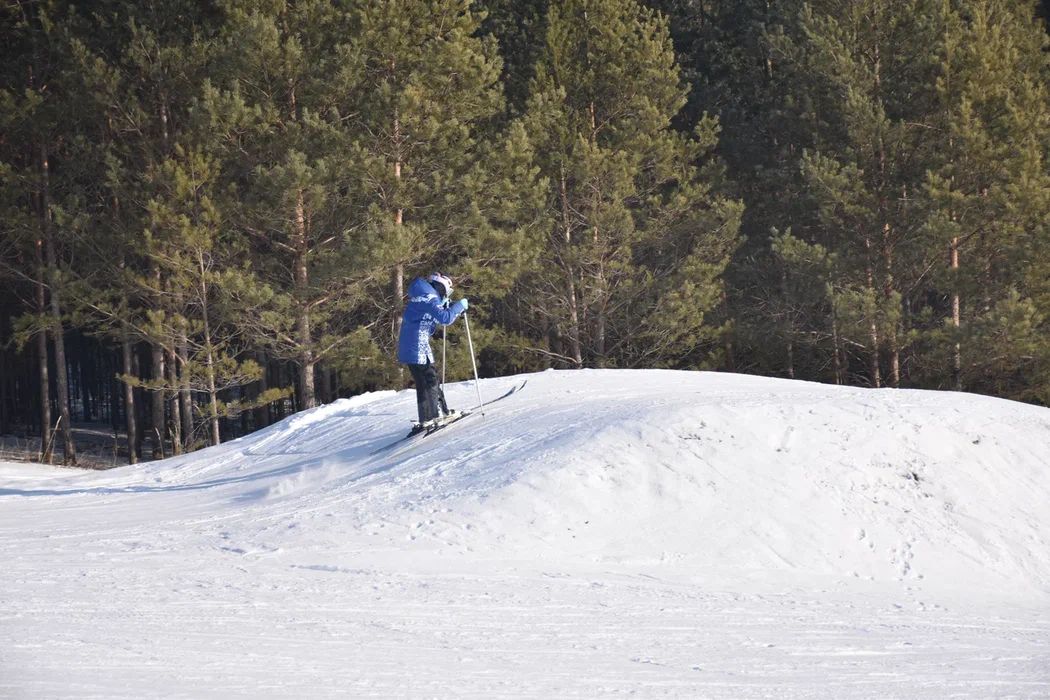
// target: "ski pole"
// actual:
[[470, 344]]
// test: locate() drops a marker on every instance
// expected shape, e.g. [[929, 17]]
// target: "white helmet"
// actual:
[[442, 285]]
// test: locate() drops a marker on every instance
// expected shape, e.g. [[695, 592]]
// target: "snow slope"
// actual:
[[596, 533]]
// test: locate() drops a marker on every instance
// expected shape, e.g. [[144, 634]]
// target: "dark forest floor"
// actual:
[[98, 447]]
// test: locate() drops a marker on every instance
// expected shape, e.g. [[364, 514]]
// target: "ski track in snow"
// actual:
[[601, 533]]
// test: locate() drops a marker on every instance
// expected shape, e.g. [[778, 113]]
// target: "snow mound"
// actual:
[[716, 474]]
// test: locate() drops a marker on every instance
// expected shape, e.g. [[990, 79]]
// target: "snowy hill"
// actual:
[[596, 532]]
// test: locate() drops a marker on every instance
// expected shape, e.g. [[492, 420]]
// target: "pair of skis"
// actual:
[[417, 435], [438, 424]]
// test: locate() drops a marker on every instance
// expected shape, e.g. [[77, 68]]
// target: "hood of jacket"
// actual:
[[421, 290]]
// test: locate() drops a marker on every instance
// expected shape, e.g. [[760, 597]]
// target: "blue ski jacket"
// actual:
[[423, 313]]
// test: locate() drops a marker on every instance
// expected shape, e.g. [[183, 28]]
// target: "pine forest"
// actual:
[[211, 212]]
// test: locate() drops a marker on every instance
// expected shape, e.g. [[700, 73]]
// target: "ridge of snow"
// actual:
[[704, 469], [659, 483]]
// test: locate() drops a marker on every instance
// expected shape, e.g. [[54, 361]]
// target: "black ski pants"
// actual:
[[430, 400]]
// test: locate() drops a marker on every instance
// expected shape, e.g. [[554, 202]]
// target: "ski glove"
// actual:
[[460, 306]]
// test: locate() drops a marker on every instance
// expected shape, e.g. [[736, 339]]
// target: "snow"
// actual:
[[597, 533]]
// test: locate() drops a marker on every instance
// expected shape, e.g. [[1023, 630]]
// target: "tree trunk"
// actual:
[[570, 278], [601, 287], [893, 350], [129, 400], [398, 281], [58, 336], [574, 320], [174, 408], [209, 359], [836, 342], [306, 357], [46, 446], [887, 285], [157, 403], [42, 359], [956, 317], [213, 395], [873, 327], [185, 397], [182, 401], [953, 248], [601, 294], [876, 375], [399, 221], [599, 337], [140, 402]]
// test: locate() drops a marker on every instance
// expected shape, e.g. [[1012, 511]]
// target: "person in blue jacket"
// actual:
[[427, 307]]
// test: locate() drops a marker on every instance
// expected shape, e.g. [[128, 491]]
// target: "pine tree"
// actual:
[[191, 251], [276, 114], [429, 89], [731, 54], [639, 234], [864, 69], [141, 71], [988, 195], [103, 294], [37, 104]]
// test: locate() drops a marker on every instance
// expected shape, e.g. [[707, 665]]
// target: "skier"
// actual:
[[428, 306]]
